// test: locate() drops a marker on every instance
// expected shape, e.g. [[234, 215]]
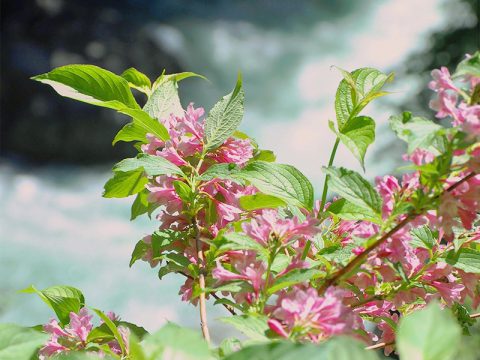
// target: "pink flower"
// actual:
[[469, 120], [80, 324], [462, 203], [317, 316], [248, 269], [387, 187], [237, 151], [445, 105], [74, 334], [262, 227], [420, 157], [442, 80]]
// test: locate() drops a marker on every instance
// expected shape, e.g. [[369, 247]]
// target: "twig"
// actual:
[[228, 307], [379, 345], [474, 316], [201, 283], [359, 259]]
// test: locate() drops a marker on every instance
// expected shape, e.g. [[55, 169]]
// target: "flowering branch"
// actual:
[[361, 257]]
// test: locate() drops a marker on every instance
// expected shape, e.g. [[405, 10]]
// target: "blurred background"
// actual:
[[56, 154]]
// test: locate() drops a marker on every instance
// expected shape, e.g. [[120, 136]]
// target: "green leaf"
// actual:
[[337, 348], [113, 328], [220, 171], [140, 250], [282, 181], [224, 117], [357, 135], [151, 165], [90, 84], [238, 241], [125, 183], [423, 237], [137, 80], [418, 132], [174, 342], [355, 189], [164, 99], [255, 327], [347, 211], [428, 334], [465, 259], [19, 343], [356, 91], [260, 201], [183, 190], [140, 205], [141, 125], [468, 67], [293, 277], [175, 78], [61, 299], [265, 155]]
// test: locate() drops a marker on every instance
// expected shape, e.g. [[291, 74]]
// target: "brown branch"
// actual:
[[201, 283], [360, 258], [226, 306], [474, 316]]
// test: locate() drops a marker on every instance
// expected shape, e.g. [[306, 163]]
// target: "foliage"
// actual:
[[300, 277]]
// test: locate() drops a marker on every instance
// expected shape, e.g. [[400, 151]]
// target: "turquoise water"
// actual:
[[55, 228]]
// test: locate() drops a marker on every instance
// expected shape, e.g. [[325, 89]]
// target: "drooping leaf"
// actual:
[[466, 259], [260, 201], [141, 125], [255, 327], [164, 99], [61, 299], [125, 183], [224, 117], [137, 80], [90, 84], [350, 100], [20, 343], [356, 190], [337, 348], [282, 181], [428, 334], [152, 165], [418, 132], [138, 252], [357, 135], [140, 205], [175, 342]]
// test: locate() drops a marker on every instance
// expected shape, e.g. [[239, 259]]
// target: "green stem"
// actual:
[[324, 195], [325, 185]]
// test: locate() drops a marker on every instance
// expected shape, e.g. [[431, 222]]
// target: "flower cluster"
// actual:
[[75, 335]]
